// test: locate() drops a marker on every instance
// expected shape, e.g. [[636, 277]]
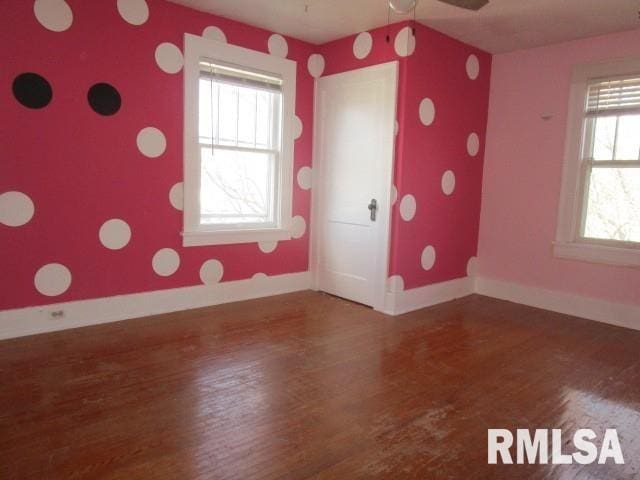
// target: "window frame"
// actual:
[[193, 233], [569, 243]]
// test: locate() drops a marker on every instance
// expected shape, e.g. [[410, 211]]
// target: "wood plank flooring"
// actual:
[[307, 385]]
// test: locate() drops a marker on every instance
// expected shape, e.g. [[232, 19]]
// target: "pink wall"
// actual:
[[436, 70], [523, 167], [81, 169]]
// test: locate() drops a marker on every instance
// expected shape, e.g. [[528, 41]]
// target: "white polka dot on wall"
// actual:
[[16, 209], [428, 258], [54, 15], [408, 207], [305, 178], [267, 247], [260, 280], [315, 65], [405, 42], [151, 142], [211, 272], [214, 33], [169, 58], [362, 45], [472, 266], [176, 196], [473, 144], [135, 12], [165, 262], [473, 67], [297, 127], [52, 279], [395, 284], [448, 182], [298, 227], [278, 45], [427, 111], [394, 195], [114, 234]]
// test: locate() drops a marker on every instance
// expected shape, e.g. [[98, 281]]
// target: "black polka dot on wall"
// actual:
[[104, 99], [32, 90]]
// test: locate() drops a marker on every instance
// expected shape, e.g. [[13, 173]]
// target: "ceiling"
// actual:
[[501, 26]]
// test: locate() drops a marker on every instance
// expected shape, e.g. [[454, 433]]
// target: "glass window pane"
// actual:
[[228, 105], [247, 117], [233, 115], [613, 207], [604, 138], [628, 144], [236, 187], [264, 119], [207, 110]]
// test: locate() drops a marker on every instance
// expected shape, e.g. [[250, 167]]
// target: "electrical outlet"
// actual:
[[56, 314]]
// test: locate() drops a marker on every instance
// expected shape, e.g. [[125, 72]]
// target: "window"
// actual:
[[239, 137], [611, 154], [600, 209], [238, 144]]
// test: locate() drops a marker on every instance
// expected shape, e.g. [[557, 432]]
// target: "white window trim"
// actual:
[[193, 234], [568, 243]]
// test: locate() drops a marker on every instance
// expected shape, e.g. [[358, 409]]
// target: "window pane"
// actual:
[[233, 115], [228, 105], [236, 187], [207, 110], [264, 124], [247, 117], [604, 138], [613, 207], [628, 147]]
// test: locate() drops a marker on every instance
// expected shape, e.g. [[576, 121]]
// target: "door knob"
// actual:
[[373, 208]]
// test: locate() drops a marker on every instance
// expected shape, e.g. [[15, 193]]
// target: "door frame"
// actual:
[[383, 241]]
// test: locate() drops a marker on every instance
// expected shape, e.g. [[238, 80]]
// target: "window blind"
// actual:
[[242, 78], [614, 96]]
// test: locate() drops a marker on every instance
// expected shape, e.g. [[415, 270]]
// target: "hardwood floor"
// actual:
[[310, 386]]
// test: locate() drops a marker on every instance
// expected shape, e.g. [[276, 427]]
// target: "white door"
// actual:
[[353, 165]]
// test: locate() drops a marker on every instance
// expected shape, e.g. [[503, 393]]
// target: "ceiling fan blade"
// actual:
[[468, 4]]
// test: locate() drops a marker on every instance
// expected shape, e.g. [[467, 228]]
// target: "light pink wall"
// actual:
[[523, 167]]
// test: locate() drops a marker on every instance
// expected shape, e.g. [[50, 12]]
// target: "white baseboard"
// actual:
[[32, 320], [397, 303], [570, 304]]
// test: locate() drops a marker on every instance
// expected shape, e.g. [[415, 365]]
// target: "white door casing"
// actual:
[[353, 161]]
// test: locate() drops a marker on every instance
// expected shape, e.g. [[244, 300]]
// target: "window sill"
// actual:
[[597, 253], [230, 237]]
